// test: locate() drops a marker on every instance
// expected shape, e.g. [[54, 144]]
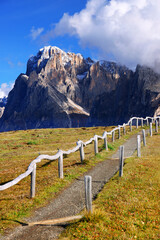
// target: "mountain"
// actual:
[[48, 95], [3, 102], [63, 89], [137, 96]]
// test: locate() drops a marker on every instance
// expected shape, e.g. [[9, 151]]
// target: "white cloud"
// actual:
[[128, 30], [5, 89], [15, 64], [10, 63], [34, 33], [20, 64]]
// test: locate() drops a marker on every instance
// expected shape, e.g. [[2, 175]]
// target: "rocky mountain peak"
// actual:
[[55, 55]]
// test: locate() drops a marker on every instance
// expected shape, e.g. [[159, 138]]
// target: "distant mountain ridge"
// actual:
[[63, 89], [3, 101]]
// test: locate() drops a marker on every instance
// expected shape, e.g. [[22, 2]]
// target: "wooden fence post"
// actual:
[[156, 126], [121, 160], [81, 149], [95, 144], [130, 125], [60, 165], [113, 136], [88, 193], [144, 137], [124, 129], [141, 122], [33, 182], [150, 129], [137, 123], [147, 122], [138, 145], [105, 142], [119, 133]]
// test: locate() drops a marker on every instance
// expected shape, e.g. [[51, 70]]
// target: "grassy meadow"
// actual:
[[19, 148], [128, 207]]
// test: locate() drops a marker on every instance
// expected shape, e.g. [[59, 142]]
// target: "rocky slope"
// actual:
[[3, 102], [65, 90], [137, 96], [1, 111]]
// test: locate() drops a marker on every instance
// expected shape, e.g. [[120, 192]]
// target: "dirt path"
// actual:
[[71, 201]]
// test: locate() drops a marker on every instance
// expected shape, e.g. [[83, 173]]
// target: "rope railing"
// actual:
[[80, 144]]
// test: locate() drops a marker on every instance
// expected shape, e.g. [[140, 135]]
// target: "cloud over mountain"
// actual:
[[127, 30], [34, 33], [5, 89]]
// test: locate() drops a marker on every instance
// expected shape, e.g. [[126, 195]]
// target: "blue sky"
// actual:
[[18, 18], [125, 31]]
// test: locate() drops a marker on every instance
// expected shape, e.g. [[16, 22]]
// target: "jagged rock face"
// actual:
[[60, 70], [138, 96], [48, 95], [103, 77], [1, 111], [34, 104], [65, 90]]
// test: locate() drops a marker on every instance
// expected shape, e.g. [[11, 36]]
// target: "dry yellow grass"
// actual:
[[19, 148], [128, 207]]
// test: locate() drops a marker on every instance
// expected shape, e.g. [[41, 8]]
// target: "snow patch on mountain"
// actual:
[[109, 66], [3, 101], [50, 52], [81, 76]]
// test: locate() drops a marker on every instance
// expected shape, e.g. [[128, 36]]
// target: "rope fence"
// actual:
[[137, 121]]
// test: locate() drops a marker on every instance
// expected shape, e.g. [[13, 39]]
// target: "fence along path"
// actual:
[[80, 144]]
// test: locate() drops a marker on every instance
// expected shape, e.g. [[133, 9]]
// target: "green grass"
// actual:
[[19, 148], [32, 143], [111, 147], [128, 207]]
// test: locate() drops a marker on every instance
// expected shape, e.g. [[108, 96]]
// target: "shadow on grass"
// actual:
[[74, 164], [2, 183], [45, 164], [16, 221]]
